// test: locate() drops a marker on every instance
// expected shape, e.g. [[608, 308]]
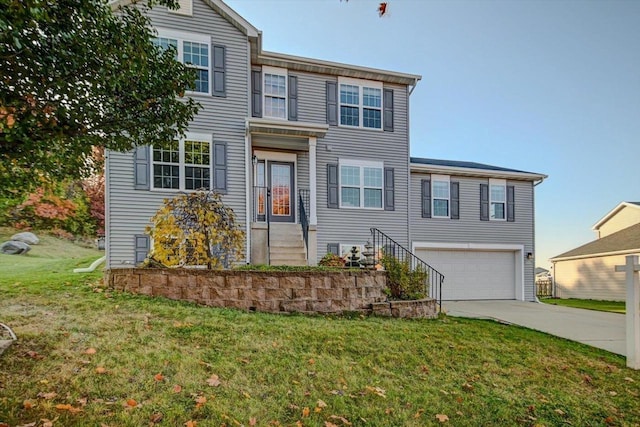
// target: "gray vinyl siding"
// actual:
[[392, 148], [469, 228], [129, 210]]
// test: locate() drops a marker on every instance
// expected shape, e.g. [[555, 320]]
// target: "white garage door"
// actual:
[[473, 274]]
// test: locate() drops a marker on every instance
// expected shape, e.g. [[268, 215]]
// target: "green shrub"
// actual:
[[403, 282], [331, 260]]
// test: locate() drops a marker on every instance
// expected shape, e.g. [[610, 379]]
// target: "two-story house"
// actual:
[[311, 154]]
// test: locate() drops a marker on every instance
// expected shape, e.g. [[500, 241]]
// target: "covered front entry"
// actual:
[[476, 273], [275, 181]]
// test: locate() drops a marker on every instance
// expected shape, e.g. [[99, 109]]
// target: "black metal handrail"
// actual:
[[385, 245], [303, 196], [260, 203]]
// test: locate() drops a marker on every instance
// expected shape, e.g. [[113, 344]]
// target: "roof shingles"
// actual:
[[623, 240]]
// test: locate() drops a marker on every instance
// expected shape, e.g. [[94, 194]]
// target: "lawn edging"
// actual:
[[273, 291]]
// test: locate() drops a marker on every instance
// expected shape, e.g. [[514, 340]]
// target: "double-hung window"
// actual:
[[361, 184], [360, 103], [497, 199], [193, 51], [440, 186], [275, 92], [184, 164]]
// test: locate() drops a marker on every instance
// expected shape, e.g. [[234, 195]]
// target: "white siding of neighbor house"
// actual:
[[469, 228], [391, 148], [590, 278], [627, 217], [129, 210]]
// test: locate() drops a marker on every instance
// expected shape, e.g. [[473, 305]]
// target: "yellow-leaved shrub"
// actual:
[[195, 229]]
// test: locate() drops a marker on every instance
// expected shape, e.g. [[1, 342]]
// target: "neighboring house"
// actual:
[[588, 272], [315, 153]]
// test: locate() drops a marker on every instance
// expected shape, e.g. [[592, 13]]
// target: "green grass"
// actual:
[[370, 371], [588, 304]]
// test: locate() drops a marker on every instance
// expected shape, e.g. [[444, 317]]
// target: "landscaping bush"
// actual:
[[331, 260], [403, 282], [195, 229]]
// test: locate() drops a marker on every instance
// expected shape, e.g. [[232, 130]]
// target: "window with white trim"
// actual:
[[183, 165], [274, 82], [497, 199], [440, 196], [361, 184], [360, 103], [193, 51]]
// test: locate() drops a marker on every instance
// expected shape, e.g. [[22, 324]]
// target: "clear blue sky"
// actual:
[[541, 86]]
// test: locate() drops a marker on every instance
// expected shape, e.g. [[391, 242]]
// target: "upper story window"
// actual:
[[440, 190], [360, 103], [497, 199], [192, 50], [275, 92], [184, 165], [361, 184]]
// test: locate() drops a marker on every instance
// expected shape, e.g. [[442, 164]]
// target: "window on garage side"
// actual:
[[440, 195]]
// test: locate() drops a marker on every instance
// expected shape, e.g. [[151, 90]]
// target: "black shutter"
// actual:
[[332, 103], [219, 70], [141, 244], [455, 200], [293, 98], [332, 186], [426, 198], [333, 248], [389, 200], [220, 167], [511, 207], [388, 110], [484, 202], [256, 94], [142, 163]]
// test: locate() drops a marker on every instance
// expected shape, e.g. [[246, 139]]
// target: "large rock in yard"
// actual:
[[14, 247], [26, 237]]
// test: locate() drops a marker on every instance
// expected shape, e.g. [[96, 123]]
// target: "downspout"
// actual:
[[410, 91], [535, 286], [247, 158]]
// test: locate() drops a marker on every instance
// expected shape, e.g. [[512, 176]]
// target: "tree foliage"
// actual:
[[196, 229], [75, 74]]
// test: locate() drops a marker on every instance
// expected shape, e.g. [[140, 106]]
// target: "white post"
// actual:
[[313, 215], [632, 270]]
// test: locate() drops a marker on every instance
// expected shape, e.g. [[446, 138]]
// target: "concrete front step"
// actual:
[[287, 245]]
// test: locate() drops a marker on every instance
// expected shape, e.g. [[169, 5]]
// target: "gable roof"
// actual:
[[458, 167], [613, 212], [297, 63], [626, 240]]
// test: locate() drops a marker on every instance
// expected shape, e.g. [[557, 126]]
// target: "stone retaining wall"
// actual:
[[273, 291]]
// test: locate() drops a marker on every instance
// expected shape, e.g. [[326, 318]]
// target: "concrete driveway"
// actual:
[[594, 328]]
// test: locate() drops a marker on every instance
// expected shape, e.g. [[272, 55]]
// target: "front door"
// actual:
[[282, 193]]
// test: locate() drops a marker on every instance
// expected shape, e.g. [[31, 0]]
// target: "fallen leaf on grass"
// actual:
[[312, 362], [613, 393], [46, 422], [246, 395], [132, 403], [158, 377], [330, 424], [443, 418], [156, 417], [343, 419], [27, 404], [67, 407], [417, 414], [213, 381], [200, 401], [628, 379], [559, 411], [191, 423], [90, 350], [47, 396], [177, 388], [377, 391], [587, 379], [252, 421], [467, 386], [82, 401], [305, 412], [27, 425], [321, 404], [101, 370]]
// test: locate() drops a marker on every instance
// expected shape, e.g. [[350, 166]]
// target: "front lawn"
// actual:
[[87, 356], [588, 304]]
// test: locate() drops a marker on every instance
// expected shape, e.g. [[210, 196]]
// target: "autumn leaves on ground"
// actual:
[[88, 356]]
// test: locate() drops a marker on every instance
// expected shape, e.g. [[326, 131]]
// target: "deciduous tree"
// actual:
[[76, 74]]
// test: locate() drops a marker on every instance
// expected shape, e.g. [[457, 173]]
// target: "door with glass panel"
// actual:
[[282, 201]]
